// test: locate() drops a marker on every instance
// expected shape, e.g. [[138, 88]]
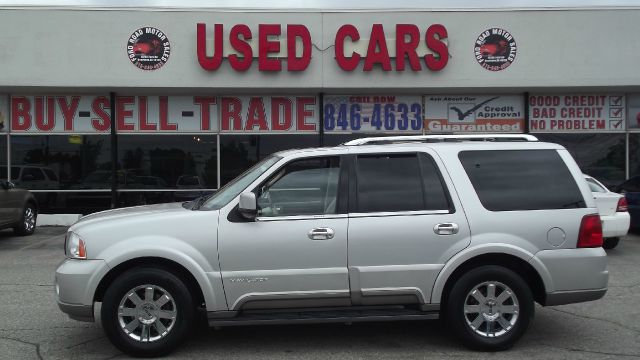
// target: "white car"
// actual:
[[613, 211]]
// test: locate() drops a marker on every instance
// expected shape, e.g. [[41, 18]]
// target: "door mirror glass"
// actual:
[[247, 205]]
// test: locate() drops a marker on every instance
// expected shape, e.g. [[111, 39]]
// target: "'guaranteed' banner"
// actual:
[[577, 113], [471, 113], [372, 114]]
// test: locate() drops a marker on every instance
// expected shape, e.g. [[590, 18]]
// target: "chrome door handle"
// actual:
[[322, 233], [446, 229]]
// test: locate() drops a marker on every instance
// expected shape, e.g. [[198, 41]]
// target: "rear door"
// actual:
[[404, 223]]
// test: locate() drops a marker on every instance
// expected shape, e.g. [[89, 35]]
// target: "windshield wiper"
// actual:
[[198, 202]]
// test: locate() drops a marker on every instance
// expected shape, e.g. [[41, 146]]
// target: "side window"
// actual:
[[51, 175], [436, 197], [511, 180], [32, 174], [388, 182], [303, 187]]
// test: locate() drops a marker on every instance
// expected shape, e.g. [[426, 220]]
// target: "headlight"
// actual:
[[75, 247]]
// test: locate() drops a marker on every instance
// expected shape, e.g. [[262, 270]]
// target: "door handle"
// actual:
[[446, 229], [322, 233]]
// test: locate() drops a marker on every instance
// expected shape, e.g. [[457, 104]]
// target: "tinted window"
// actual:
[[434, 189], [305, 187], [521, 179], [50, 174], [389, 183]]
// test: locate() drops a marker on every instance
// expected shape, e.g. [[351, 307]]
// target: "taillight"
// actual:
[[590, 235], [622, 205]]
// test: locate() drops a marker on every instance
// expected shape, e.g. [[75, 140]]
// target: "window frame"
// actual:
[[341, 194], [353, 187]]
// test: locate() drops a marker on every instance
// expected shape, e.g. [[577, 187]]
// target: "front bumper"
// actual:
[[76, 282], [615, 225], [577, 275]]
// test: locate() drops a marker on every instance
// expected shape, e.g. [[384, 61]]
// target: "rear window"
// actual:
[[507, 180]]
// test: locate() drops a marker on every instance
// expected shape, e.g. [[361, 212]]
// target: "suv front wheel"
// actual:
[[489, 308], [146, 312]]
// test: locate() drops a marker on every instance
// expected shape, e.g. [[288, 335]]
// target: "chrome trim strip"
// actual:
[[289, 295], [399, 213], [302, 217]]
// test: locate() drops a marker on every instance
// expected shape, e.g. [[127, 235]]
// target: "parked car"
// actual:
[[18, 209], [35, 177], [472, 228], [631, 190], [185, 182], [613, 211]]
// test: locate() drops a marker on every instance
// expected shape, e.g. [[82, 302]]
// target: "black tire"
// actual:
[[129, 280], [459, 322], [610, 243], [25, 227]]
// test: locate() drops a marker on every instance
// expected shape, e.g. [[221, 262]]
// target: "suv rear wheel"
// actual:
[[489, 308], [146, 312]]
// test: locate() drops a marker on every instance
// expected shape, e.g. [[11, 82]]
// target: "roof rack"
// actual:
[[440, 138]]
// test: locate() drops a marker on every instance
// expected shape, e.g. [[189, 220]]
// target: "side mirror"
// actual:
[[7, 185], [248, 206]]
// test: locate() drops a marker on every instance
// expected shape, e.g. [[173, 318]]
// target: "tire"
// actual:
[[507, 326], [610, 243], [167, 319], [27, 224]]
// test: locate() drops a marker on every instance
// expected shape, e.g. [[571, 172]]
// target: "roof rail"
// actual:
[[441, 138]]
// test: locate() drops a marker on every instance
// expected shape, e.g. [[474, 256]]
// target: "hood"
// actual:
[[129, 213]]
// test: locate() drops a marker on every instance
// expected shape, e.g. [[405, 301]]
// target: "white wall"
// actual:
[[87, 49]]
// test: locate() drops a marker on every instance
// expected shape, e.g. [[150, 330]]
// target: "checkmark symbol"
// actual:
[[617, 112], [617, 124], [615, 100]]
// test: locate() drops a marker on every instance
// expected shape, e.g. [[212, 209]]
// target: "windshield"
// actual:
[[235, 187]]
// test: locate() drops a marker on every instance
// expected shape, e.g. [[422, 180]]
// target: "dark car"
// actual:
[[631, 191], [18, 209]]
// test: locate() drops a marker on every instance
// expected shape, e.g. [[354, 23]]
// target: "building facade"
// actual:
[[104, 107]]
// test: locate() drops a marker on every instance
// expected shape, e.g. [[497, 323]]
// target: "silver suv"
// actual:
[[474, 229]]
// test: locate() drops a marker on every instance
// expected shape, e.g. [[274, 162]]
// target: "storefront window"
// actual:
[[53, 162], [239, 152], [180, 162], [599, 155], [3, 157]]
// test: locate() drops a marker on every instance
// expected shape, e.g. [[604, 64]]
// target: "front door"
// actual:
[[295, 252], [404, 225]]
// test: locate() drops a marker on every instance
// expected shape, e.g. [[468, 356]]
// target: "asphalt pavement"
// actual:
[[32, 326]]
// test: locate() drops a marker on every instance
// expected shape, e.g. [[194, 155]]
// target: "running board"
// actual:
[[319, 317]]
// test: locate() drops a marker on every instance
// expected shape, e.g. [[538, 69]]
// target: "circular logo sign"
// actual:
[[495, 49], [148, 48]]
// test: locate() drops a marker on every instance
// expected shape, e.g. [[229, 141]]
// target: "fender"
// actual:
[[208, 278], [483, 249]]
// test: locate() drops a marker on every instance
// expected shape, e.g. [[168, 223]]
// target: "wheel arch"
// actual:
[[157, 262], [516, 261]]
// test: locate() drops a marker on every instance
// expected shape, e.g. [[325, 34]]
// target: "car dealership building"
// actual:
[[107, 107]]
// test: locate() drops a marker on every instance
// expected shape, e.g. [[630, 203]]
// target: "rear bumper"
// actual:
[[615, 225], [571, 297], [576, 275]]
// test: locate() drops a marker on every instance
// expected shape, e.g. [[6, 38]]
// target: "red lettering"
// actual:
[[407, 48], [103, 121], [350, 63], [377, 41], [142, 115], [276, 104], [231, 108], [209, 63], [256, 115], [295, 63], [266, 46], [122, 113], [165, 125], [20, 113], [49, 122], [205, 103], [302, 113], [438, 60], [242, 46], [68, 110]]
